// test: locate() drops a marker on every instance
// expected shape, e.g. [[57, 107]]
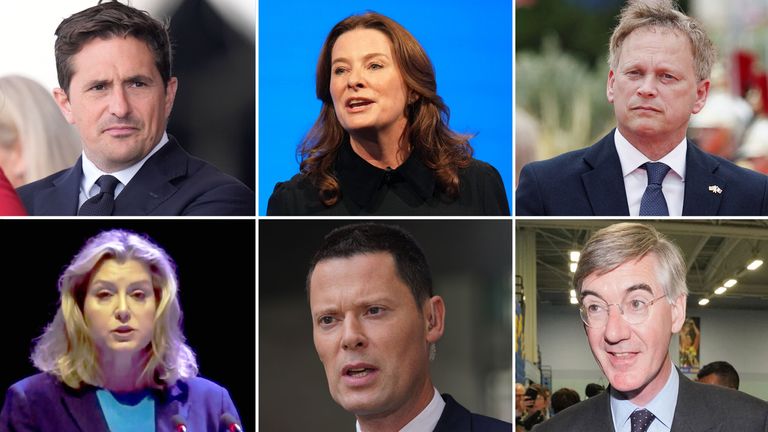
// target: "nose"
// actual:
[[647, 87], [355, 79], [354, 336], [118, 103], [122, 312], [616, 328]]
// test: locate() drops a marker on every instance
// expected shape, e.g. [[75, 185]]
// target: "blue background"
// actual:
[[470, 46]]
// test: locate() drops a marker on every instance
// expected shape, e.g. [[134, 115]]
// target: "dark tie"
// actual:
[[653, 202], [641, 420], [103, 202]]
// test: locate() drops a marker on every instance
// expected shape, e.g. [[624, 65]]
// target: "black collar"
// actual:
[[360, 181]]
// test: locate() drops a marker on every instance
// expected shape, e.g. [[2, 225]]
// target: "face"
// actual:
[[367, 89], [654, 89], [119, 308], [372, 338], [634, 358], [117, 101]]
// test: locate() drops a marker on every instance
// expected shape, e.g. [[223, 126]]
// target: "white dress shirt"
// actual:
[[636, 178], [662, 406], [91, 173], [427, 418]]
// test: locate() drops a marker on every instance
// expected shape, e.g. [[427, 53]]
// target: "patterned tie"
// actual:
[[103, 202], [641, 420], [653, 202]]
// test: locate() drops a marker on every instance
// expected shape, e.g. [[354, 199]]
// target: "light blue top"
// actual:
[[131, 412], [662, 406]]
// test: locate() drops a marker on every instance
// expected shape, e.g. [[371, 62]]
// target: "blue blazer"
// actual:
[[456, 418], [588, 182], [170, 183], [42, 403], [700, 408]]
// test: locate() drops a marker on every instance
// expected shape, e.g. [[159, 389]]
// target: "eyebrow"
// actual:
[[366, 57], [133, 78], [329, 310], [636, 287]]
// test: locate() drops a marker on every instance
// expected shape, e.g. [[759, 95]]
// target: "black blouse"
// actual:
[[408, 190]]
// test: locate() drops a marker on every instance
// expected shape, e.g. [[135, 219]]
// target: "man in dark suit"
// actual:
[[631, 284], [114, 69], [375, 326], [660, 62]]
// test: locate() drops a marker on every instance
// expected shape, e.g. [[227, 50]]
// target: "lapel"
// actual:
[[83, 407], [169, 403], [454, 417], [153, 185], [61, 199], [600, 415], [691, 412], [699, 176], [604, 183]]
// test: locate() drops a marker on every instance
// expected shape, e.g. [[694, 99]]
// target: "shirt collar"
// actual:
[[631, 158], [91, 172], [427, 418], [360, 180], [662, 405]]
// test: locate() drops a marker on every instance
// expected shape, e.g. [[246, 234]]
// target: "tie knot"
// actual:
[[107, 184], [641, 420], [656, 172]]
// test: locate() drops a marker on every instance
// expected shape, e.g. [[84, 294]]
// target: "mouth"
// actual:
[[120, 130], [123, 330], [622, 358], [646, 108], [357, 104], [359, 374]]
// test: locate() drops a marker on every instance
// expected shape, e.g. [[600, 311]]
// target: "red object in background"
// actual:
[[760, 82], [743, 62]]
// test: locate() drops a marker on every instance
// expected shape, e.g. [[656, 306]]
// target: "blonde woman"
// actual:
[[114, 357], [35, 140]]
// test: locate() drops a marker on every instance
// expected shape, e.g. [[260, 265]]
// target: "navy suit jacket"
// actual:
[[456, 418], [170, 183], [588, 182], [700, 408], [42, 403]]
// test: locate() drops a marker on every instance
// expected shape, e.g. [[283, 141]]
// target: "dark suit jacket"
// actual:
[[700, 408], [456, 418], [170, 183], [42, 403], [588, 182]]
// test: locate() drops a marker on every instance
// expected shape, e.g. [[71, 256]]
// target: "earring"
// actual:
[[432, 351]]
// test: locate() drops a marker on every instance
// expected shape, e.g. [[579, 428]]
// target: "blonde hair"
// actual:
[[663, 13], [66, 350], [29, 116]]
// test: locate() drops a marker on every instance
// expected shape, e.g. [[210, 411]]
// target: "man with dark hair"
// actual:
[[115, 71], [564, 398], [719, 373], [593, 389], [375, 326], [631, 283]]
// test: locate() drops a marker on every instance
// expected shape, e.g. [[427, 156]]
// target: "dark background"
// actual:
[[215, 262]]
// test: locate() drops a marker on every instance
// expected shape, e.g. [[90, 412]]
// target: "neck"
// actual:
[[382, 148], [653, 147], [396, 420], [121, 374]]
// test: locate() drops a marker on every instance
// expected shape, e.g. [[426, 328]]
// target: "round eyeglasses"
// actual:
[[634, 311]]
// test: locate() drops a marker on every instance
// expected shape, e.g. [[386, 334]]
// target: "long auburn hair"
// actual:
[[427, 131]]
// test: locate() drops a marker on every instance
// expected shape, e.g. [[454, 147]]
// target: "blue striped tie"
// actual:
[[653, 202]]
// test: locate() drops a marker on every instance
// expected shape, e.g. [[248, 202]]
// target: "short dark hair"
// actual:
[[367, 238], [108, 20], [564, 398], [593, 389], [726, 373]]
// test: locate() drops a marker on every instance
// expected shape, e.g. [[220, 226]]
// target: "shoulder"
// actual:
[[456, 417], [44, 183], [723, 403], [36, 390], [295, 197], [731, 172], [483, 185], [585, 416]]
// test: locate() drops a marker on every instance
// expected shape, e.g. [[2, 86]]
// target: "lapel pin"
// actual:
[[715, 189]]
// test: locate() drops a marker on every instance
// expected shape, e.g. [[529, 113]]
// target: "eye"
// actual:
[[375, 310], [376, 66], [338, 70], [594, 308], [325, 320], [636, 304], [98, 87], [139, 295], [103, 294], [138, 84]]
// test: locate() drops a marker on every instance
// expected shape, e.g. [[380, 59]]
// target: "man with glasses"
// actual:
[[631, 284]]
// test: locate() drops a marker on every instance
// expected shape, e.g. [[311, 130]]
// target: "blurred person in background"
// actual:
[[564, 398], [720, 373], [35, 140], [660, 61]]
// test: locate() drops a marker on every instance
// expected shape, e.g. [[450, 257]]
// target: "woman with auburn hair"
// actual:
[[114, 356], [381, 144]]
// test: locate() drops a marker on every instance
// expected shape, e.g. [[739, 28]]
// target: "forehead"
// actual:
[[360, 42], [117, 52], [657, 41], [623, 278], [358, 276]]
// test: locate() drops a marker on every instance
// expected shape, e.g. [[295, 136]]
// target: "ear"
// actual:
[[678, 313], [434, 314], [62, 100], [609, 85], [702, 90], [170, 95]]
